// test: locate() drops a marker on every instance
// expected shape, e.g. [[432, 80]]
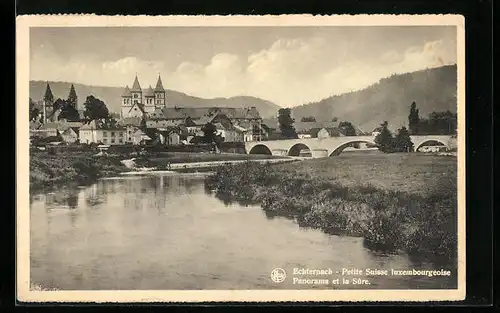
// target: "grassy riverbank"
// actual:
[[162, 159], [49, 170], [396, 202], [83, 167]]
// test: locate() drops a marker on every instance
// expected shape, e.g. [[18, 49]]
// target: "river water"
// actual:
[[167, 232]]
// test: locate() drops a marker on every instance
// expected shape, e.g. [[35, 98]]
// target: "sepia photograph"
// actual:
[[240, 158]]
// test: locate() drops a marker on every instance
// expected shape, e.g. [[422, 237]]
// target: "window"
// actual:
[[121, 140], [112, 134], [112, 140], [105, 140], [104, 134], [136, 95], [120, 134], [135, 101], [129, 138]]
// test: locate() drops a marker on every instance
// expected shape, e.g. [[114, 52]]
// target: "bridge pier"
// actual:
[[319, 153], [279, 152]]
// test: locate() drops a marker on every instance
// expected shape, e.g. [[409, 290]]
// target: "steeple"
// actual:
[[48, 94], [159, 85], [136, 87]]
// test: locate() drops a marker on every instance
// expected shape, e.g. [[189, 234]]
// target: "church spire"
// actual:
[[136, 87], [159, 85], [48, 94]]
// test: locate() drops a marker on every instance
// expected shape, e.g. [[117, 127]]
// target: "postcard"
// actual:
[[287, 158]]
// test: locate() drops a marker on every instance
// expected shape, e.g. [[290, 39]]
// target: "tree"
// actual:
[[58, 104], [95, 108], [72, 97], [67, 110], [335, 119], [413, 119], [69, 113], [33, 111], [347, 128], [308, 119], [286, 121], [439, 123], [385, 140], [443, 123], [209, 133], [402, 141]]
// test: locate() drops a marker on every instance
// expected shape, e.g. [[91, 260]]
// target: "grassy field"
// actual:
[[410, 173], [397, 202]]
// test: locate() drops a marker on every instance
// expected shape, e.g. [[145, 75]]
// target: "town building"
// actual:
[[61, 130], [131, 125], [70, 135], [139, 137], [311, 129], [377, 131], [98, 131], [327, 132], [430, 149]]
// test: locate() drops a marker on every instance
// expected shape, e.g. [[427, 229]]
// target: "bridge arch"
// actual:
[[420, 144], [260, 149], [338, 150], [296, 148]]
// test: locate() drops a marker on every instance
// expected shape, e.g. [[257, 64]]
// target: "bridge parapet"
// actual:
[[332, 145]]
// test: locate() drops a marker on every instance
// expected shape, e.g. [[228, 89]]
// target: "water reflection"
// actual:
[[170, 232]]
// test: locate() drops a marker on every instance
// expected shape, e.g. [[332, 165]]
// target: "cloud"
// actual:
[[291, 71]]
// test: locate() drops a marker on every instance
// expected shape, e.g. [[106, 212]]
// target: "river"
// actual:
[[167, 232]]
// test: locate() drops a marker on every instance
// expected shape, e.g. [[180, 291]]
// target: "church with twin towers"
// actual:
[[136, 102]]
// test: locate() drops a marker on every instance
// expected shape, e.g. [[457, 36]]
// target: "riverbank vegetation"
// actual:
[[397, 202], [48, 170], [161, 160], [83, 167]]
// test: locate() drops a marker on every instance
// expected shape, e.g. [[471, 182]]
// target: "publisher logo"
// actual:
[[278, 275]]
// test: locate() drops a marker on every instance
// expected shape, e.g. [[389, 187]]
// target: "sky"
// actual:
[[286, 65]]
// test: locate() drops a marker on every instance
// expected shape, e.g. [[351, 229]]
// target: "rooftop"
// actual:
[[197, 113]]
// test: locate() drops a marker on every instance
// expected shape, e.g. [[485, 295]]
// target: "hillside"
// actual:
[[112, 97], [389, 99]]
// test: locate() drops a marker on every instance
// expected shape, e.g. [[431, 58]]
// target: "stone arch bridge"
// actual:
[[325, 147]]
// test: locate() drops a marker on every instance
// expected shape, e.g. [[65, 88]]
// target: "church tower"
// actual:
[[159, 92], [149, 98], [136, 92], [48, 104], [126, 102]]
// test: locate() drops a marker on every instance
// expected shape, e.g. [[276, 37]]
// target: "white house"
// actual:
[[140, 137], [131, 124], [99, 132], [376, 131], [230, 134], [304, 136], [428, 149], [69, 135]]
